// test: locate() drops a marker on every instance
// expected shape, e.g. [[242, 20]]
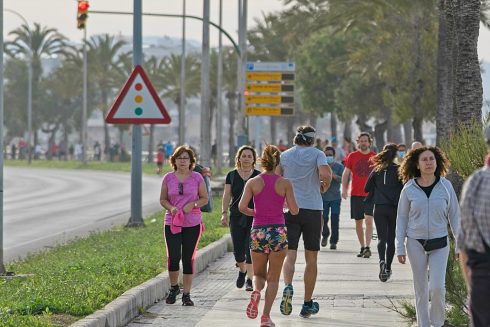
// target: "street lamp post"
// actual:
[[29, 87], [182, 83]]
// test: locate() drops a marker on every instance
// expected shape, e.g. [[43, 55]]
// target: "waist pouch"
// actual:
[[433, 243]]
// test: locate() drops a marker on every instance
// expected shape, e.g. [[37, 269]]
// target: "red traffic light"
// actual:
[[83, 5], [82, 13]]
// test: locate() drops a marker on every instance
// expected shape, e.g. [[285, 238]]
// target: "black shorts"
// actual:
[[307, 222], [357, 207]]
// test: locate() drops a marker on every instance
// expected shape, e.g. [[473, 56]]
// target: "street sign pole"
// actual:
[[205, 130], [2, 267], [136, 219]]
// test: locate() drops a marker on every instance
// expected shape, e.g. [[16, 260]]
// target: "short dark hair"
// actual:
[[409, 170], [365, 134], [181, 149], [330, 148], [301, 139]]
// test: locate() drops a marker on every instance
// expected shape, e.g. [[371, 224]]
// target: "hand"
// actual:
[[173, 211], [323, 188], [402, 259], [224, 220], [344, 194], [188, 207], [206, 171]]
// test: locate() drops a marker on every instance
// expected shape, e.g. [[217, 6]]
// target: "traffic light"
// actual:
[[82, 13]]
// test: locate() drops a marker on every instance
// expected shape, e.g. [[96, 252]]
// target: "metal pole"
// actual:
[[2, 267], [205, 128], [29, 101], [243, 46], [219, 97], [239, 127], [136, 218], [182, 83], [84, 111]]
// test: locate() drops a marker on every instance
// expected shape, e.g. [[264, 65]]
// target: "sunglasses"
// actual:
[[181, 189]]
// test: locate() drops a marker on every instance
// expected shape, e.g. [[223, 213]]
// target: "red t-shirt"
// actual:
[[360, 167]]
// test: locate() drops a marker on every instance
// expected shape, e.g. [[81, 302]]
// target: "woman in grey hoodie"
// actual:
[[427, 203]]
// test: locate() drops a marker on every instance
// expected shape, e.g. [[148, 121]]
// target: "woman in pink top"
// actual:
[[268, 239], [183, 194]]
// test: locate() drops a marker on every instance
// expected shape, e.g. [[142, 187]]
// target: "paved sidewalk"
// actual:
[[348, 291]]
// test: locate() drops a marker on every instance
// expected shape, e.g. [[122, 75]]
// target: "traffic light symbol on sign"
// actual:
[[82, 13]]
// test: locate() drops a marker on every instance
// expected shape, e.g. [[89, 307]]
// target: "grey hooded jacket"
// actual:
[[419, 217]]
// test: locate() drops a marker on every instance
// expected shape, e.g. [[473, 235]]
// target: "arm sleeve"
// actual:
[[228, 178], [402, 222], [466, 212], [321, 159], [454, 212], [369, 187]]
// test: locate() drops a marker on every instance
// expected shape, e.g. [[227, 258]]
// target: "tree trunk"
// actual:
[[468, 86], [444, 116], [333, 125], [151, 145], [361, 122], [379, 134], [418, 93], [291, 131], [407, 131], [348, 129], [313, 120]]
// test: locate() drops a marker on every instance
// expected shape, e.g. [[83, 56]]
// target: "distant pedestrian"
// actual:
[[385, 186], [240, 224], [416, 145], [281, 146], [331, 201], [308, 170], [183, 194], [402, 151], [474, 240], [160, 159], [339, 151], [427, 204], [358, 165], [268, 238], [97, 151], [13, 151]]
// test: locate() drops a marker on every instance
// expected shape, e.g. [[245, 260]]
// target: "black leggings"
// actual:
[[240, 235], [385, 220], [183, 246]]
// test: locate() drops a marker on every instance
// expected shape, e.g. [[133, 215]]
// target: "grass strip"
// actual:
[[74, 280], [147, 168]]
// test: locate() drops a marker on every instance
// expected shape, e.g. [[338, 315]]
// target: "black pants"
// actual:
[[385, 220], [479, 265], [240, 226], [183, 246]]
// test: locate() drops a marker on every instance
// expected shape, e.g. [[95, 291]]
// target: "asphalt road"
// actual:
[[45, 207]]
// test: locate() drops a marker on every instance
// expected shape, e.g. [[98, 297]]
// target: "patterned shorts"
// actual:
[[264, 239]]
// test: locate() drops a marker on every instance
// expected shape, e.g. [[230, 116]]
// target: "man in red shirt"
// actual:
[[357, 163]]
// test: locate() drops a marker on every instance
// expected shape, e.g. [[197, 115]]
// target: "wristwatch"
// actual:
[[195, 204]]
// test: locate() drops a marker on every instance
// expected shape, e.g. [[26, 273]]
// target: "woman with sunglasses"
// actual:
[[183, 194]]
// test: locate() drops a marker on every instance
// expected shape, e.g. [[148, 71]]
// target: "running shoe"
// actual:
[[388, 274], [310, 308], [172, 294], [266, 322], [324, 241], [383, 276], [240, 281], [253, 305], [186, 300], [287, 299], [249, 285], [367, 252], [361, 254], [333, 246]]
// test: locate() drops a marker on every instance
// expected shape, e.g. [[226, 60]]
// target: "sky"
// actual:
[[61, 14]]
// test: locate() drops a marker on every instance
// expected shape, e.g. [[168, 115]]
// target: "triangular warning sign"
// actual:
[[138, 102]]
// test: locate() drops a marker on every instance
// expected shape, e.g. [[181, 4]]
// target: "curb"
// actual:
[[128, 306]]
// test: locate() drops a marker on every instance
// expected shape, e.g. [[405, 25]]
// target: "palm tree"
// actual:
[[41, 41], [169, 79], [104, 69]]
